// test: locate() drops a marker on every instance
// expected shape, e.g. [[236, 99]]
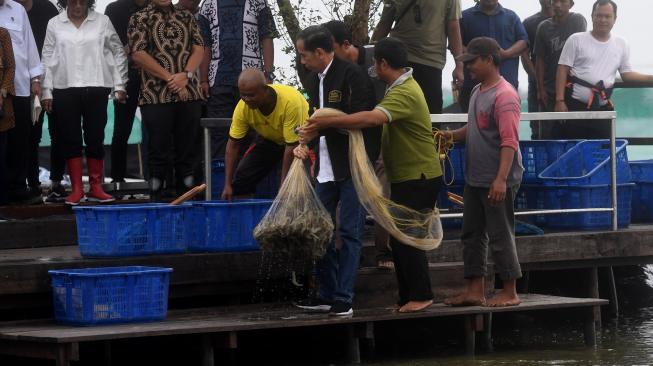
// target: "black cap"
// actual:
[[480, 46]]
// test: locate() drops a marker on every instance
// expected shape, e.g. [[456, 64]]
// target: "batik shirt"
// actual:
[[237, 27], [169, 37]]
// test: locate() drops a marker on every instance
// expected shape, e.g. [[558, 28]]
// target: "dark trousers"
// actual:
[[18, 148], [174, 138], [533, 106], [464, 97], [123, 121], [582, 128], [57, 161], [411, 264], [35, 134], [81, 115], [259, 160], [221, 104], [430, 80], [487, 225], [3, 167]]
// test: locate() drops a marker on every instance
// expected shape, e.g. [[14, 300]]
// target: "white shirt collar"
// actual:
[[401, 79], [322, 74], [89, 17]]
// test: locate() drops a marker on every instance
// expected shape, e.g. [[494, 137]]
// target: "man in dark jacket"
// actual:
[[338, 84]]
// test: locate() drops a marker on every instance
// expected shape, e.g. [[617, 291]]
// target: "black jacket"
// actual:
[[345, 88]]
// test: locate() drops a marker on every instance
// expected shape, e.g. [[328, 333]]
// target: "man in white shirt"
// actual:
[[27, 80], [586, 74]]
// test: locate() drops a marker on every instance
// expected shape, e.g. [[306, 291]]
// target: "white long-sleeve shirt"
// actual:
[[89, 56], [13, 17]]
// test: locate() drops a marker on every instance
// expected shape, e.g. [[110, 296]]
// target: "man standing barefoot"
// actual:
[[493, 175]]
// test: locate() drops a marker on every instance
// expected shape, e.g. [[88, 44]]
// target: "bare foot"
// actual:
[[504, 298], [465, 299], [415, 306], [386, 265]]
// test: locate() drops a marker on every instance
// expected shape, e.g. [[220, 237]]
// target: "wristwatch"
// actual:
[[189, 75]]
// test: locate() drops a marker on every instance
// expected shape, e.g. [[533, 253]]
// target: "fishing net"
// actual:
[[297, 223], [421, 230]]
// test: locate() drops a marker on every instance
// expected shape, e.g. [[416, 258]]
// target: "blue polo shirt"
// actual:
[[504, 26]]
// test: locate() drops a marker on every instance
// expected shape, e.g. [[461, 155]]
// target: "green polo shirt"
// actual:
[[407, 143]]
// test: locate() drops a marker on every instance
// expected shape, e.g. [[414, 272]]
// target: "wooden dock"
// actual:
[[45, 339]]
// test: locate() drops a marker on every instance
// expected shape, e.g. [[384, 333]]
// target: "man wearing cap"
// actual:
[[492, 177]]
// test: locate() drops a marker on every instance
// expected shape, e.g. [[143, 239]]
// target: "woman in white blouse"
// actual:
[[84, 61]]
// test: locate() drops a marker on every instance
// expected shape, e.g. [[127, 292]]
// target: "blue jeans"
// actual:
[[337, 270]]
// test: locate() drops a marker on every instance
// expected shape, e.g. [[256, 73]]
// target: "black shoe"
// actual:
[[314, 304], [56, 194], [341, 308]]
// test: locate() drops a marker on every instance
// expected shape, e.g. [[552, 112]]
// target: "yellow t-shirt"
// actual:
[[291, 111]]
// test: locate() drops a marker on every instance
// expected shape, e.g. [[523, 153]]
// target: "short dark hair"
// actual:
[[598, 3], [340, 31], [393, 51], [63, 4], [316, 36]]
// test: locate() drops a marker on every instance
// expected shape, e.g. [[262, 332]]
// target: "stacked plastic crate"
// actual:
[[642, 200]]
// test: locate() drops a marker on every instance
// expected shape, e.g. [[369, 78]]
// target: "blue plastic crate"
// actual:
[[90, 296], [537, 155], [454, 166], [593, 196], [642, 202], [267, 188], [531, 197], [222, 226], [588, 163], [450, 207], [642, 171], [132, 230]]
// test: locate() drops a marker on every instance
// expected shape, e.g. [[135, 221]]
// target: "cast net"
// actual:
[[421, 230], [297, 223]]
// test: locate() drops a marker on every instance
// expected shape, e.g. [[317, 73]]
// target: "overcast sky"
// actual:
[[632, 24]]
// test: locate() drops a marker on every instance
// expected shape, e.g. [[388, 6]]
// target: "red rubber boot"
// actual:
[[75, 166], [96, 193]]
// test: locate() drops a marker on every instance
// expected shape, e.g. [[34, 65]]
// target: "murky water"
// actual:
[[627, 340]]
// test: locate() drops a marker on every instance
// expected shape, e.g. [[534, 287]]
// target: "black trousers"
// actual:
[[123, 121], [3, 167], [221, 104], [430, 80], [411, 264], [81, 115], [259, 160], [57, 161], [465, 96], [18, 148], [174, 138], [580, 129]]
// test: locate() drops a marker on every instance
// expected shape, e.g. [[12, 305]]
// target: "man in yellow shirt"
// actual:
[[273, 111]]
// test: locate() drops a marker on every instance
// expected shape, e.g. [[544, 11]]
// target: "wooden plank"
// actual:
[[52, 231], [259, 318]]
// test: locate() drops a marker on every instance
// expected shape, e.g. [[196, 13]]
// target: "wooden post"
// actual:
[[487, 332], [107, 353], [592, 287], [62, 358], [590, 327], [470, 335], [614, 301], [366, 333], [208, 358], [353, 352]]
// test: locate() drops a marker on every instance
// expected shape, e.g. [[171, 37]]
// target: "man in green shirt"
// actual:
[[425, 27], [409, 155]]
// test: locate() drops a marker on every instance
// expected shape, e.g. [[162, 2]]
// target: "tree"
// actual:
[[361, 16]]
